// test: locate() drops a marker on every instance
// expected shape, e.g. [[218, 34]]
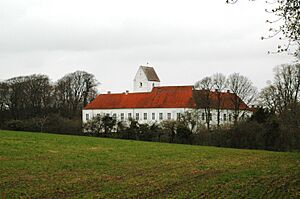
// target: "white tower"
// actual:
[[145, 79]]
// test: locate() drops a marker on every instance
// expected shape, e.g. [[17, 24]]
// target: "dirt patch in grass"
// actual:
[[2, 158], [52, 151]]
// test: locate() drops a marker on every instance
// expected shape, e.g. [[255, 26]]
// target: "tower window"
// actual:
[[141, 84]]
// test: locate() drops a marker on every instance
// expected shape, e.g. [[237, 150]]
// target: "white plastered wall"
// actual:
[[141, 111], [141, 83]]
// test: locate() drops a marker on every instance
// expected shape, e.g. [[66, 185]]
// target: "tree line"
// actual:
[[35, 103]]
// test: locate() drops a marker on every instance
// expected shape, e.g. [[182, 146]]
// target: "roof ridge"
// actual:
[[175, 86], [157, 87]]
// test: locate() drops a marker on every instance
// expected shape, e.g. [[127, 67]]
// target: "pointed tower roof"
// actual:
[[150, 73]]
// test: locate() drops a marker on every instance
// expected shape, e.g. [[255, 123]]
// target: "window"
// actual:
[[153, 116], [98, 114], [189, 115], [129, 116], [137, 116], [87, 116], [122, 116], [152, 84], [107, 114], [224, 117], [178, 116], [160, 116], [141, 84], [169, 116], [145, 116], [229, 118], [114, 115], [210, 116], [203, 116]]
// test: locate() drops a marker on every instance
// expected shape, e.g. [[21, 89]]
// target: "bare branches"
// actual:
[[202, 98], [243, 89], [219, 81], [74, 91], [234, 1], [287, 13], [29, 96], [283, 94], [205, 84]]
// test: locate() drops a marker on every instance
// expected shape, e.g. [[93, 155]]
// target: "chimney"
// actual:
[[108, 92], [228, 91]]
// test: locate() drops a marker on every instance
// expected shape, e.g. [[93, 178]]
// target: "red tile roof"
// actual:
[[227, 100], [159, 97]]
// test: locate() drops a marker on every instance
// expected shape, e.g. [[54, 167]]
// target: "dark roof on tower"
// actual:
[[150, 73]]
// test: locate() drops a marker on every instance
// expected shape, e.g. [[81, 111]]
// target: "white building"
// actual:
[[145, 79], [151, 102]]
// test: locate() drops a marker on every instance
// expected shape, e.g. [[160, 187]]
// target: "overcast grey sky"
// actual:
[[184, 40]]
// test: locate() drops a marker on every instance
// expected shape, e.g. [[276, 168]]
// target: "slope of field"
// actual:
[[58, 166]]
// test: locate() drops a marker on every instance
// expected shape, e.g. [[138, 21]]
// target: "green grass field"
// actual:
[[36, 165]]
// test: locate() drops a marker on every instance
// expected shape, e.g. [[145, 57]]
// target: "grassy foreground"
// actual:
[[59, 166]]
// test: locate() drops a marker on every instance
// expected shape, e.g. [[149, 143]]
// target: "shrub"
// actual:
[[15, 125]]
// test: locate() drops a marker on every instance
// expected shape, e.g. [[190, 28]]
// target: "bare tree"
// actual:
[[243, 90], [29, 96], [202, 97], [17, 96], [74, 91], [287, 17], [4, 102], [39, 94], [269, 98], [287, 81], [283, 94], [219, 83], [170, 127], [4, 96]]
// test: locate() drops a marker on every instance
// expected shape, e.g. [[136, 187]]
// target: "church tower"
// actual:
[[145, 79]]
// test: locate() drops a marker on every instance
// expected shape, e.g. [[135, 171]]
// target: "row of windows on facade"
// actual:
[[160, 116]]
